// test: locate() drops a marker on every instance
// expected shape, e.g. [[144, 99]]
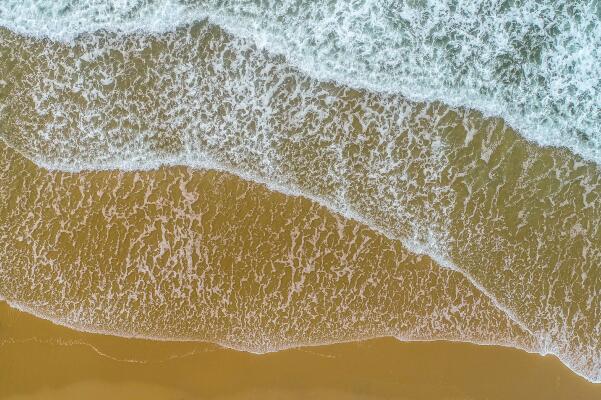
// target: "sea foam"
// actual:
[[537, 64]]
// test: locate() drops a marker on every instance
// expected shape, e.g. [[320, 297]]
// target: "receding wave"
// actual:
[[514, 224]]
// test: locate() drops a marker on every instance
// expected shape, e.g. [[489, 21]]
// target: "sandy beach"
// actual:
[[300, 199], [40, 360]]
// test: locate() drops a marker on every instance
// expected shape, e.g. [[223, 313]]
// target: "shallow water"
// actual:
[[74, 365], [192, 254], [225, 250]]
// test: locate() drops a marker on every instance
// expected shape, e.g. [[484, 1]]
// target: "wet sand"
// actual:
[[179, 253], [40, 360]]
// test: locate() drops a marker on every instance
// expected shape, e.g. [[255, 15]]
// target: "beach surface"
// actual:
[[41, 360]]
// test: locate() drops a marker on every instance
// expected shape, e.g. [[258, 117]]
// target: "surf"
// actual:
[[536, 64]]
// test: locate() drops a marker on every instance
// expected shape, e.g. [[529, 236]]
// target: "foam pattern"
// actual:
[[518, 221]]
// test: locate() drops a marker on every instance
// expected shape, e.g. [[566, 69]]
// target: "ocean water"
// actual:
[[376, 126], [537, 64]]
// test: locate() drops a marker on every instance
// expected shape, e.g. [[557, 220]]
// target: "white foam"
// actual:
[[537, 64]]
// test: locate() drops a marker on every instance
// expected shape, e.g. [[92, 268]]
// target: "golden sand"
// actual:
[[40, 360]]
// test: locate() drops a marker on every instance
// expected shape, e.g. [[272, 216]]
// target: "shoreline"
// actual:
[[376, 369]]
